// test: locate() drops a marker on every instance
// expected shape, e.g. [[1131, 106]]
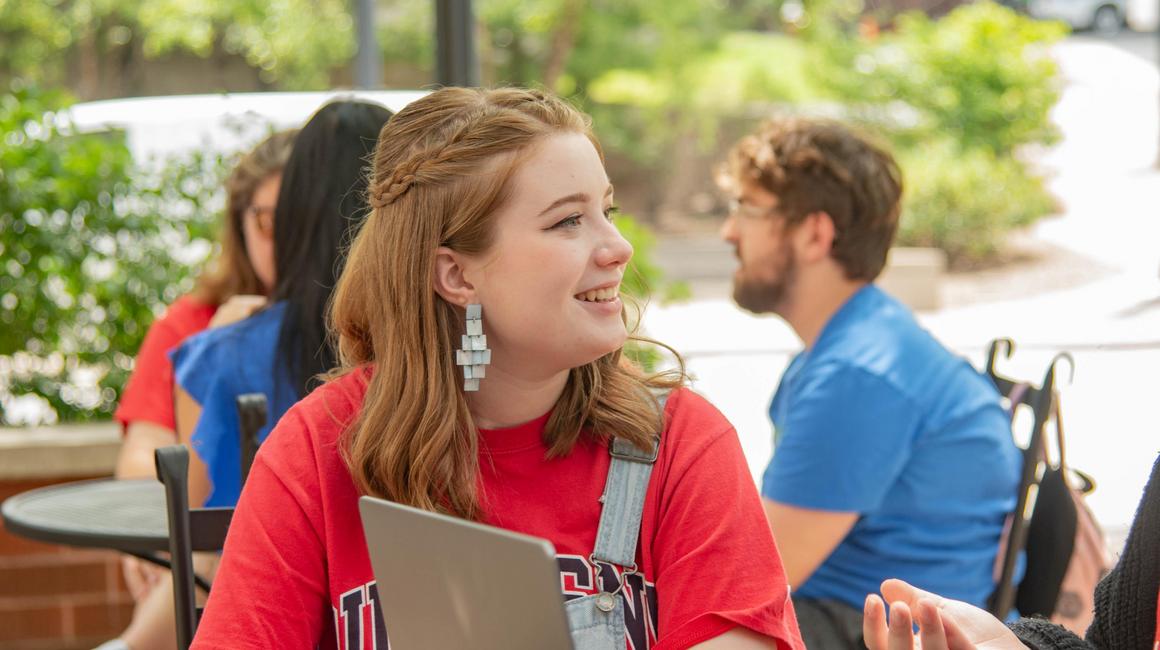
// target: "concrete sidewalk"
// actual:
[[1100, 300]]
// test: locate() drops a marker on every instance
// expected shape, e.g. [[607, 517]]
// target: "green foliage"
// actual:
[[93, 248], [643, 279], [965, 202], [980, 75], [294, 43], [960, 97]]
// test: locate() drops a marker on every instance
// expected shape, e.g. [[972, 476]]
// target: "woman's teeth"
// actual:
[[599, 295]]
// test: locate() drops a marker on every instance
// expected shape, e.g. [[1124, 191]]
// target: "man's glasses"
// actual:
[[744, 210]]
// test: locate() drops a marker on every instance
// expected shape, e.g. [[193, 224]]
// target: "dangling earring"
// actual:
[[474, 355]]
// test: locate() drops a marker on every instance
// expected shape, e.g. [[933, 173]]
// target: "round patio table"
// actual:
[[124, 515]]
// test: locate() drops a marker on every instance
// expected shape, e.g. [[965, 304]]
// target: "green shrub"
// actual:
[[960, 97], [965, 202], [93, 247], [643, 279], [980, 76]]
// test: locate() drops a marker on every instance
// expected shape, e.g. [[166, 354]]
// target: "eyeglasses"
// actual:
[[263, 218], [748, 210]]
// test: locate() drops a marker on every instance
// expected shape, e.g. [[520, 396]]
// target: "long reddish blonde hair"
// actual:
[[441, 169]]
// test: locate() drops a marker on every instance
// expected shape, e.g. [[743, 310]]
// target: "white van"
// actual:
[[1104, 16]]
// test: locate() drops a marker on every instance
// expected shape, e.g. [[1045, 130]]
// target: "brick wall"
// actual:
[[57, 597]]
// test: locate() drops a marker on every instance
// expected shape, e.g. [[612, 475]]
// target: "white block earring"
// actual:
[[474, 356]]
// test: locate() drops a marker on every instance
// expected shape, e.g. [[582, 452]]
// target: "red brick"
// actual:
[[13, 545], [102, 620], [57, 597], [87, 576], [51, 644], [31, 623]]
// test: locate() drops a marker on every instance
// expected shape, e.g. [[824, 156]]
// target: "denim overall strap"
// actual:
[[623, 500]]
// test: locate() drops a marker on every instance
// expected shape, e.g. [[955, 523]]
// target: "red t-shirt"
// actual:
[[295, 571], [1156, 644], [149, 394]]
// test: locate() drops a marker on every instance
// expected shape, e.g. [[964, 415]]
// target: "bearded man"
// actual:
[[892, 456]]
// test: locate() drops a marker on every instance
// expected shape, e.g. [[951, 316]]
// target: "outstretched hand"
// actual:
[[236, 308], [943, 624]]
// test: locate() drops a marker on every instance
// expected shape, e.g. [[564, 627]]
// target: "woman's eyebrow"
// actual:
[[577, 197]]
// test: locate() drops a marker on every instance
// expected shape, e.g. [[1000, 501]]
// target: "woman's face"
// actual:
[[258, 229], [549, 284]]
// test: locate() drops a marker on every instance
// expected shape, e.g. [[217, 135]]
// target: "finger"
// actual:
[[930, 626], [956, 638], [874, 623], [895, 590], [901, 634], [132, 577]]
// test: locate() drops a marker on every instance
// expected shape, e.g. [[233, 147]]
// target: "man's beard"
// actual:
[[765, 296]]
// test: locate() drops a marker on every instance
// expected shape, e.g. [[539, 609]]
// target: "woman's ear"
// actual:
[[450, 282]]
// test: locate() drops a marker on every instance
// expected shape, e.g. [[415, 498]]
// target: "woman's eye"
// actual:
[[611, 212], [570, 222]]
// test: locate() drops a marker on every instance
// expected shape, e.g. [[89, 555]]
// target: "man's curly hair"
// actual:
[[812, 166]]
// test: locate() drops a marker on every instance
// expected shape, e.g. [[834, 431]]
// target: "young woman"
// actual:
[[494, 206], [278, 351], [239, 278], [244, 268], [318, 206]]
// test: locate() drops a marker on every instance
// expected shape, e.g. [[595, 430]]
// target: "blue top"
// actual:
[[215, 367], [879, 419]]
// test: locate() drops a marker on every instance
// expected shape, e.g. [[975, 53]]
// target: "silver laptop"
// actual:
[[448, 583]]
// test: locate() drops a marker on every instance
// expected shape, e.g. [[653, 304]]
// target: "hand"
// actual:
[[237, 308], [140, 576], [943, 624]]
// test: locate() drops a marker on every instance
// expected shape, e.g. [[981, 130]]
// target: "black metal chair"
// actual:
[[251, 418], [1035, 470], [200, 529], [190, 530]]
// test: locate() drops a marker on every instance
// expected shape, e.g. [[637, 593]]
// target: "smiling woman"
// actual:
[[492, 228]]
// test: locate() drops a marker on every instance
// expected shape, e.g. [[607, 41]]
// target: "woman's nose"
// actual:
[[614, 249]]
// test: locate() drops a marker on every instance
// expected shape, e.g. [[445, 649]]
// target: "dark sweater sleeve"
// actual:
[[1126, 598], [1042, 634]]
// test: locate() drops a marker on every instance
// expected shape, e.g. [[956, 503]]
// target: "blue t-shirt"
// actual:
[[215, 367], [878, 418]]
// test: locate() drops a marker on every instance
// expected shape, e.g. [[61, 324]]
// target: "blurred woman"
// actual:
[[280, 350], [237, 281], [245, 267]]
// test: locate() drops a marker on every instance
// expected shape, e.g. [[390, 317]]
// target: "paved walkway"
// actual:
[[1094, 291]]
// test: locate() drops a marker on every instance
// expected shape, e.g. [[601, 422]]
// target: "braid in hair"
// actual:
[[396, 185], [462, 146]]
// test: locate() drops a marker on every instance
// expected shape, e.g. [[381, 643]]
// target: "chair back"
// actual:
[[190, 530], [1041, 400], [252, 416]]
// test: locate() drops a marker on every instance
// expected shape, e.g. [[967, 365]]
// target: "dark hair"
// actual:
[[822, 166], [232, 272], [321, 205]]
